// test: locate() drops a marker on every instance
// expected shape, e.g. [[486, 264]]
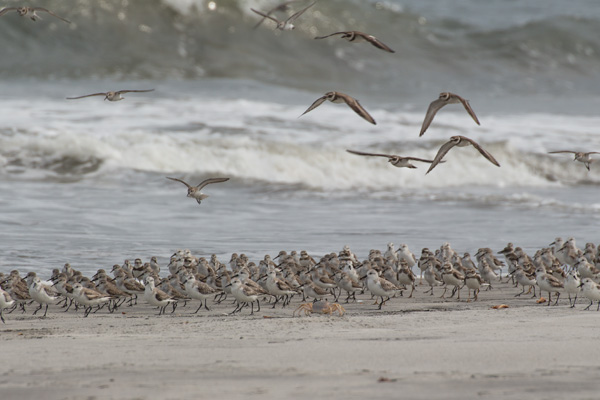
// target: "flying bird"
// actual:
[[279, 8], [286, 25], [337, 97], [460, 141], [579, 156], [31, 12], [444, 99], [396, 161], [195, 191], [356, 36], [110, 96]]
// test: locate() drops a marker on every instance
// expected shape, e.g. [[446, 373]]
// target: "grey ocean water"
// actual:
[[84, 181]]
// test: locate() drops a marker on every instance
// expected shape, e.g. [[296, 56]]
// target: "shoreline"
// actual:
[[424, 347]]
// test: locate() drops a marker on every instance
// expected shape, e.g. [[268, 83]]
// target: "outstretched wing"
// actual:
[[360, 153], [358, 108], [377, 43], [179, 180], [51, 13], [87, 95], [331, 34], [265, 16], [211, 180], [467, 107], [441, 153], [129, 91], [316, 104], [482, 151], [280, 7], [420, 159], [561, 151], [433, 108], [299, 13], [7, 9]]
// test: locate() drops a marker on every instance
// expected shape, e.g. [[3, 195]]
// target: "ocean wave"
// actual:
[[157, 39]]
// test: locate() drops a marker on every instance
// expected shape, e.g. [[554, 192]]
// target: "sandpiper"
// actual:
[[89, 298], [337, 97], [157, 297], [379, 286], [31, 12], [395, 160], [579, 156], [444, 99], [286, 25], [198, 290], [460, 141], [244, 295], [591, 290], [356, 37], [195, 191], [40, 293], [5, 302], [282, 7], [111, 96]]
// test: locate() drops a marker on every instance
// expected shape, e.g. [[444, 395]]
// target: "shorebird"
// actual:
[[379, 286], [244, 295], [40, 293], [157, 297], [195, 191], [444, 99], [579, 156], [591, 290], [548, 283], [89, 298], [452, 277], [356, 37], [31, 12], [337, 97], [282, 7], [5, 302], [111, 96], [473, 282], [396, 161], [286, 25], [460, 141], [572, 284], [198, 290]]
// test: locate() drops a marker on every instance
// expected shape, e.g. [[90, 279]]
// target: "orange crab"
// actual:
[[321, 307]]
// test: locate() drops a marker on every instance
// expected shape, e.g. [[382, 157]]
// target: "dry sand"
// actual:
[[424, 347]]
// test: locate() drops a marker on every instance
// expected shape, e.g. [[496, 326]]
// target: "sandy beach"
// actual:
[[424, 347]]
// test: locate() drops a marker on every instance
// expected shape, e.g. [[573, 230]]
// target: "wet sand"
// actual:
[[420, 348]]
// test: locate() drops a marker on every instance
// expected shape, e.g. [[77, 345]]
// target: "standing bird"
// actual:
[[5, 302], [579, 156], [286, 25], [444, 99], [337, 97], [396, 161], [110, 96], [356, 37], [195, 191], [460, 141], [156, 297], [31, 12]]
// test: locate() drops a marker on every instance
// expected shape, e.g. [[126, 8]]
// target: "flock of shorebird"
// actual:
[[560, 268], [287, 24]]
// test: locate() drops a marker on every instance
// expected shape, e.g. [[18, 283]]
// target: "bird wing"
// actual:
[[87, 95], [360, 153], [7, 9], [377, 43], [358, 108], [265, 16], [331, 34], [280, 7], [467, 107], [128, 91], [482, 151], [433, 108], [51, 13], [179, 180], [294, 16], [314, 105], [562, 151], [441, 153], [211, 180], [418, 159]]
